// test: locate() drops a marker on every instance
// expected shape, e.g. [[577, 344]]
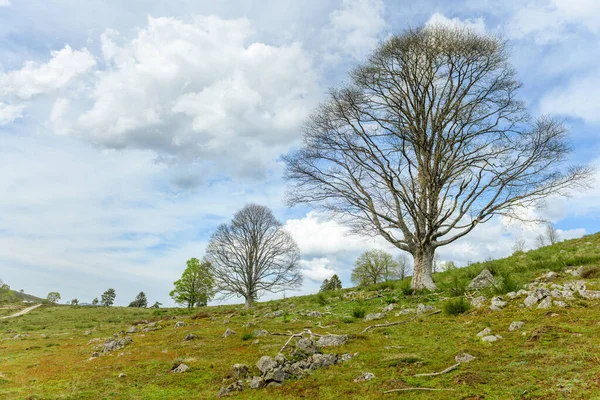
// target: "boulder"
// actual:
[[515, 325], [180, 369], [545, 303], [332, 340], [179, 324], [530, 300], [371, 317], [540, 293], [313, 314], [491, 338], [483, 280], [240, 370], [307, 346], [276, 374], [512, 295], [366, 376], [228, 333], [464, 358], [477, 302], [265, 364], [497, 303], [484, 332], [132, 329], [389, 307], [256, 383], [190, 336], [115, 344], [422, 308], [590, 294]]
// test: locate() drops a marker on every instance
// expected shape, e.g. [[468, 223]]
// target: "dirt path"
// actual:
[[22, 312]]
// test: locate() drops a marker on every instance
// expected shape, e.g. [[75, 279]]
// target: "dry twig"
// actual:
[[452, 368]]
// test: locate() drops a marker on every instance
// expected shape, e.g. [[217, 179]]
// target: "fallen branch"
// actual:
[[399, 322], [413, 388], [452, 368], [293, 335]]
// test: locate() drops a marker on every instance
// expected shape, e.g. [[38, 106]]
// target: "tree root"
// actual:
[[399, 322], [452, 368]]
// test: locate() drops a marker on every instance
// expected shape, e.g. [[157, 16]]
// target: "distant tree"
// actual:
[[195, 288], [404, 268], [373, 266], [519, 246], [552, 234], [335, 283], [156, 305], [21, 291], [253, 254], [95, 301], [108, 297], [324, 285], [53, 297], [541, 240], [74, 302], [139, 301]]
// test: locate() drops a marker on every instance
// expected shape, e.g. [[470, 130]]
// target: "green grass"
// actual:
[[554, 355], [456, 306]]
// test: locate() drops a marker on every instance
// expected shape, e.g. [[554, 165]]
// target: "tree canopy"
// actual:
[[196, 285]]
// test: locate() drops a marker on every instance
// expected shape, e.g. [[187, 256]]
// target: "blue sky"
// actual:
[[130, 130]]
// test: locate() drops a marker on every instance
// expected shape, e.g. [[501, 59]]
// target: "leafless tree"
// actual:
[[541, 240], [519, 245], [552, 234], [404, 266], [427, 142], [253, 254]]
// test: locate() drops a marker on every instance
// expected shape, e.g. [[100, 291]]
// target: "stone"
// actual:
[[115, 344], [237, 386], [265, 364], [132, 329], [540, 293], [95, 354], [190, 336], [151, 324], [322, 360], [497, 303], [464, 358], [530, 300], [516, 325], [260, 333], [347, 356], [545, 303], [240, 370], [371, 317], [491, 338], [332, 340], [87, 333], [276, 374], [590, 294], [576, 272], [512, 295], [477, 302], [422, 308], [180, 369], [559, 303], [179, 324], [273, 384], [548, 276], [122, 375], [228, 332], [256, 383], [280, 359], [522, 292], [389, 307], [366, 376], [406, 311], [307, 346], [483, 280], [277, 313], [225, 321], [313, 314], [557, 294], [484, 332]]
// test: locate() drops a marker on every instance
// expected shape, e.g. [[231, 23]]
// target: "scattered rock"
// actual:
[[122, 375], [276, 314], [477, 302], [95, 354], [512, 295], [307, 346], [132, 329], [332, 340], [115, 344], [225, 321], [590, 294], [179, 324], [530, 300], [366, 376], [237, 386], [540, 293], [497, 303], [240, 370], [347, 356], [256, 383], [516, 325], [260, 333], [547, 277], [559, 303], [276, 375], [483, 280], [265, 364], [313, 314], [228, 333], [406, 311], [422, 308], [87, 333], [389, 307], [464, 358], [484, 332], [491, 338], [545, 303], [190, 336], [179, 368]]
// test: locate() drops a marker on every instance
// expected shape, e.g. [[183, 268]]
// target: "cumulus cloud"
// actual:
[[4, 3], [474, 24], [578, 98], [196, 92], [10, 112], [317, 269]]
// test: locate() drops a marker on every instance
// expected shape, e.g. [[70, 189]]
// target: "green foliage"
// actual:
[[359, 312], [374, 266], [591, 272], [405, 288], [74, 302], [156, 305], [108, 297], [320, 299], [334, 283], [139, 301], [247, 336], [53, 297], [195, 288], [95, 301], [506, 284], [458, 286], [456, 306]]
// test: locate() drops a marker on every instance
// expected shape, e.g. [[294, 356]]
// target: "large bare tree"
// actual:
[[426, 142], [253, 254]]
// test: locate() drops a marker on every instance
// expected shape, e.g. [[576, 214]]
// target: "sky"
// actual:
[[130, 130]]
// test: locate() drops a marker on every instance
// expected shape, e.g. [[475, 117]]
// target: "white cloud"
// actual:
[[355, 28], [4, 3], [9, 112], [578, 98], [196, 92], [474, 24], [317, 269], [34, 79]]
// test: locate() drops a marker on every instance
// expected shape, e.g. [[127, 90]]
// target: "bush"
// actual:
[[506, 284], [247, 336], [359, 312], [591, 272], [457, 287], [321, 299], [405, 288], [456, 306]]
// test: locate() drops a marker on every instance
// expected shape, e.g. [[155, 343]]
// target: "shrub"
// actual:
[[247, 336], [457, 287], [591, 272], [405, 288], [456, 306], [506, 284], [321, 299], [359, 312]]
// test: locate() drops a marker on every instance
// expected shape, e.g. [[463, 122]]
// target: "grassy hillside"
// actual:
[[46, 353]]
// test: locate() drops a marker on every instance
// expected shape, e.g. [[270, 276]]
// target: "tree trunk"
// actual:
[[421, 278], [248, 304]]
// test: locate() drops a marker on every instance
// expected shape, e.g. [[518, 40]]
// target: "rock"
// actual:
[[273, 384], [559, 303], [122, 375], [497, 303], [95, 354], [180, 369], [322, 360], [115, 344], [347, 356], [406, 311], [557, 294], [256, 383], [371, 317], [190, 336], [540, 293], [484, 332], [307, 346], [151, 324], [265, 364], [522, 292], [237, 386], [179, 324], [260, 333], [277, 313], [228, 333], [512, 295], [276, 374], [225, 321], [547, 277], [87, 333], [313, 314], [240, 370], [491, 338], [477, 302], [464, 358], [280, 359], [545, 303], [422, 308], [389, 307], [132, 329], [483, 280], [530, 300], [590, 294], [332, 340], [516, 325], [576, 272], [366, 376]]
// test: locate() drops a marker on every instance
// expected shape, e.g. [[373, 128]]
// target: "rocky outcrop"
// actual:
[[483, 280]]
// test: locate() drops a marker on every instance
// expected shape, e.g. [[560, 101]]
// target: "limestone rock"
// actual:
[[484, 332], [228, 333], [516, 325], [115, 344], [464, 358], [190, 336], [180, 369], [240, 370], [260, 333], [265, 364], [545, 303], [313, 314], [237, 386], [179, 324], [371, 317], [132, 329], [307, 346], [491, 338], [477, 302], [276, 374], [483, 280], [559, 303], [422, 308], [497, 303], [530, 300], [366, 376], [332, 340], [389, 307], [256, 383]]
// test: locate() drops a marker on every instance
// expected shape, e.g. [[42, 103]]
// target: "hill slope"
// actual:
[[46, 354]]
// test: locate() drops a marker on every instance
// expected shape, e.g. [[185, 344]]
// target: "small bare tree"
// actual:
[[404, 266], [253, 254], [541, 240], [519, 246], [552, 234], [427, 142]]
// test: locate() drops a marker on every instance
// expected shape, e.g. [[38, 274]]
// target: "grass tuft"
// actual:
[[456, 306]]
